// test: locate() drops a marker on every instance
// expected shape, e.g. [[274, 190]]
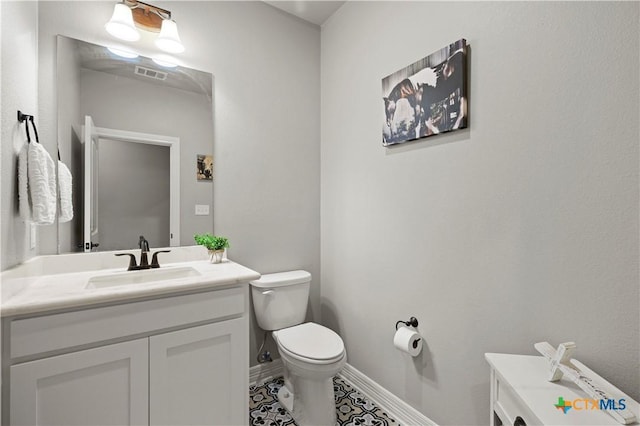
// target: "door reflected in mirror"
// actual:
[[131, 181], [143, 190], [143, 200]]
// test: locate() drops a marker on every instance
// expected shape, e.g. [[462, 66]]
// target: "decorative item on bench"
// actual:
[[561, 364], [427, 97]]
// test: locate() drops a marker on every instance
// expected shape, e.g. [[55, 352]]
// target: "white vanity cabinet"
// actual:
[[172, 360], [105, 385], [197, 375]]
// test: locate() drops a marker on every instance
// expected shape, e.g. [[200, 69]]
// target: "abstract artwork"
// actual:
[[426, 98]]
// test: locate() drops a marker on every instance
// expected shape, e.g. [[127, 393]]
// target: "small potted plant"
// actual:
[[214, 244]]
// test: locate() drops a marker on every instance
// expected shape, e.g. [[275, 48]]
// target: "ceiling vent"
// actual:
[[150, 73]]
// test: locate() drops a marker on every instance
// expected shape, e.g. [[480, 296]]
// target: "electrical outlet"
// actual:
[[33, 236], [202, 209]]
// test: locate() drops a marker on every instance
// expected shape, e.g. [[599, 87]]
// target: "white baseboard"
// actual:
[[258, 374], [405, 414]]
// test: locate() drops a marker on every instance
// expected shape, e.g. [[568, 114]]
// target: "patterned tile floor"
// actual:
[[352, 408]]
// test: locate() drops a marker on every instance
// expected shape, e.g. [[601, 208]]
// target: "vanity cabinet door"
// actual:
[[101, 386], [199, 376]]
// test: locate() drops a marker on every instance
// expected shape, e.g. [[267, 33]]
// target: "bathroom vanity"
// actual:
[[166, 350]]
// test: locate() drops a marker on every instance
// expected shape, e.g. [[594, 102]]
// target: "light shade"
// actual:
[[165, 61], [121, 24], [169, 40], [123, 53]]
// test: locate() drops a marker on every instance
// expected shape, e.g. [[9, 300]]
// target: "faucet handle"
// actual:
[[154, 259], [132, 261]]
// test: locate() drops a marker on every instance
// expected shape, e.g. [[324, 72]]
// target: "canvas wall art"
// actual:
[[428, 97]]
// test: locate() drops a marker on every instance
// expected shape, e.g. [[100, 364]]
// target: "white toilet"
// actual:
[[311, 354]]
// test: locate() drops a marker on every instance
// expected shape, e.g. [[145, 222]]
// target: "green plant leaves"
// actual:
[[211, 242]]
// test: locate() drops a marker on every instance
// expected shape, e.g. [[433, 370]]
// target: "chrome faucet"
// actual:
[[144, 260]]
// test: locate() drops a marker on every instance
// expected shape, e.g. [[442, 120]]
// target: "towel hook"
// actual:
[[26, 118], [33, 123], [22, 117]]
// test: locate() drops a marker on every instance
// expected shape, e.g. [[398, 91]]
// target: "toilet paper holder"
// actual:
[[413, 322]]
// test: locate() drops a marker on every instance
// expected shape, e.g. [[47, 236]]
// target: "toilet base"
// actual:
[[312, 404], [285, 398]]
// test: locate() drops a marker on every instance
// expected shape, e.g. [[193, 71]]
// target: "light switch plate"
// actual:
[[202, 209]]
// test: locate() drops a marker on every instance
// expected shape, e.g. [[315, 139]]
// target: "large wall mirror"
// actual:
[[134, 134]]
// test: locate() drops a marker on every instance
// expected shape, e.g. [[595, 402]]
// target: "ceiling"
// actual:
[[314, 11]]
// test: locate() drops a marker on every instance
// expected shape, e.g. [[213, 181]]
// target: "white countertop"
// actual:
[[39, 287]]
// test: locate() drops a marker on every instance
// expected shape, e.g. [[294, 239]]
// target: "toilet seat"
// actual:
[[311, 342]]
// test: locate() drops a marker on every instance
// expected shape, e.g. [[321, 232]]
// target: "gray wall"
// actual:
[[266, 67], [522, 228], [70, 233], [19, 76]]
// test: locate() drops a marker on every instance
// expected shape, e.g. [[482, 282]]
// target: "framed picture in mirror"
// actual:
[[204, 167]]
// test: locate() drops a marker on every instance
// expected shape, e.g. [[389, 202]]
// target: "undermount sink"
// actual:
[[141, 277]]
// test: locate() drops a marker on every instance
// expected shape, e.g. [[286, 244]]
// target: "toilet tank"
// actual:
[[280, 300]]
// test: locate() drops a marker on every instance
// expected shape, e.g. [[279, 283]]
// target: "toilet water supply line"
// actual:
[[266, 355]]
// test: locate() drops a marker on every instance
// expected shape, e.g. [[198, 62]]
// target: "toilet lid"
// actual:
[[311, 340]]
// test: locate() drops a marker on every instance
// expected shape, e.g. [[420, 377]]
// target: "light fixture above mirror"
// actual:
[[129, 15]]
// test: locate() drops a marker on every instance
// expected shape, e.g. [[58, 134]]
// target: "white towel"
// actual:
[[64, 184], [24, 203], [42, 184]]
